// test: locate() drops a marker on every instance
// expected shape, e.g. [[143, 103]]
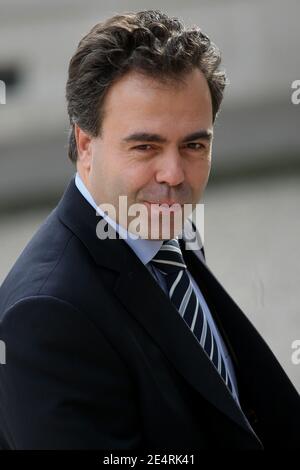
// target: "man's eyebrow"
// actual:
[[201, 134], [144, 137], [148, 137]]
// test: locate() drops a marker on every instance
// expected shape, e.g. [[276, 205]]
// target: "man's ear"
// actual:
[[84, 149]]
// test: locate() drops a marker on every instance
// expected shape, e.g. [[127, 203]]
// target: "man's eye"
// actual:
[[196, 146], [143, 147]]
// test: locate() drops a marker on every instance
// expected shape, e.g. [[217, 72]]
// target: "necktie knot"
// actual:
[[169, 258]]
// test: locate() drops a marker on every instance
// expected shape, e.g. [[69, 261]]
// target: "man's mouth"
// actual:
[[165, 204], [169, 202]]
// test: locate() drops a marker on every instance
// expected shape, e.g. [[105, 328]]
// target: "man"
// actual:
[[127, 341]]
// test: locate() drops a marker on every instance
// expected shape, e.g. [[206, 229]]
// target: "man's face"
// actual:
[[155, 145]]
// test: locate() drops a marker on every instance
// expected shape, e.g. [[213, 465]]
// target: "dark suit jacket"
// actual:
[[97, 357]]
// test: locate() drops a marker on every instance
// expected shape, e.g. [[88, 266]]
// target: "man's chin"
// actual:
[[160, 231]]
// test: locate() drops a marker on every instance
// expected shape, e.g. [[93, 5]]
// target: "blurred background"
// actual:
[[252, 216]]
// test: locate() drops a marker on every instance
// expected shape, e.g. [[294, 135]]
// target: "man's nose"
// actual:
[[170, 169]]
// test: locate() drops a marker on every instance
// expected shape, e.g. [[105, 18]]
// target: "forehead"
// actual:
[[139, 99]]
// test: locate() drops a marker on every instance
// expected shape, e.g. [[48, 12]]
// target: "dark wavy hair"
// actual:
[[149, 42]]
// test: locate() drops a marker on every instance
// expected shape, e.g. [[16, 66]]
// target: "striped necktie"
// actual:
[[170, 262]]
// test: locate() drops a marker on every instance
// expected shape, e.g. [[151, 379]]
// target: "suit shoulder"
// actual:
[[35, 263]]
